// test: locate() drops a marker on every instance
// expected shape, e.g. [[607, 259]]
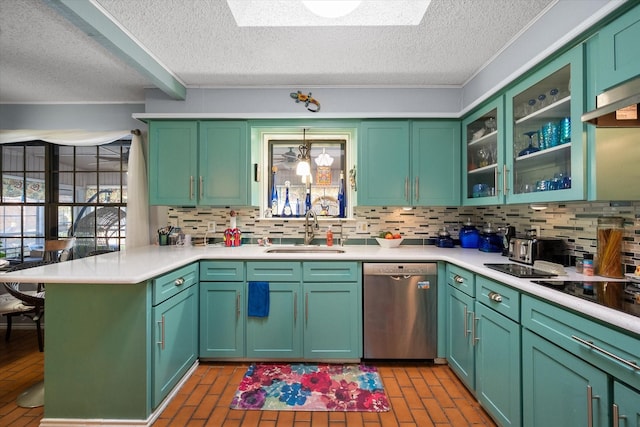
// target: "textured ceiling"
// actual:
[[44, 58]]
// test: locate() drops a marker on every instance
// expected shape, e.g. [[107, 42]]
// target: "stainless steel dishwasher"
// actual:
[[400, 310]]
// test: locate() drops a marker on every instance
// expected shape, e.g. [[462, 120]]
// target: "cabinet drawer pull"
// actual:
[[417, 189], [632, 364], [191, 187], [179, 281], [201, 187], [458, 279], [494, 296], [161, 342], [590, 398]]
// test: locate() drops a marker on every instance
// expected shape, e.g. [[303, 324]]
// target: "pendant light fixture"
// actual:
[[304, 168]]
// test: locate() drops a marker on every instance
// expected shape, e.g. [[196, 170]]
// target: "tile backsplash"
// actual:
[[574, 222]]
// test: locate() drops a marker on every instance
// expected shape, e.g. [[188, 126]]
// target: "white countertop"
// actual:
[[140, 264]]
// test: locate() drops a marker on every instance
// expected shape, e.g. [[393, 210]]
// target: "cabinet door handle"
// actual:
[[295, 307], [161, 342], [179, 281], [306, 309], [406, 188], [474, 337], [494, 296], [617, 417], [417, 189], [504, 179], [591, 345], [201, 187], [191, 187], [590, 398], [458, 279], [464, 321], [237, 304]]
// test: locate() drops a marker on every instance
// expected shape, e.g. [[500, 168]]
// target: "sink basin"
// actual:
[[304, 250]]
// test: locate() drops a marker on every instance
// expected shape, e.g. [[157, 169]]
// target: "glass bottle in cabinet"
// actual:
[[544, 145], [483, 158]]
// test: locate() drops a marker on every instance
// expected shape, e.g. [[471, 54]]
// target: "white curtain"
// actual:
[[137, 193]]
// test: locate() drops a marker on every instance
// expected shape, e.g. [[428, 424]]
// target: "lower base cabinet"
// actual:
[[575, 371], [278, 335], [175, 341], [560, 389], [331, 324], [222, 319]]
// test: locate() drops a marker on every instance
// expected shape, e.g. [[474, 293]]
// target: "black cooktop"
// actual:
[[621, 296], [522, 271]]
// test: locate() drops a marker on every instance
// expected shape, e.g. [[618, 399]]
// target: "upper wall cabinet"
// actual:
[[483, 155], [619, 51], [199, 163], [544, 135], [404, 163]]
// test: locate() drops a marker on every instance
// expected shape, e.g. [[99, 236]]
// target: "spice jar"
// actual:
[[587, 265], [610, 232]]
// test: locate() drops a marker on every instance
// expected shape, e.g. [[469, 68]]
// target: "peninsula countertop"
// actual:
[[138, 265]]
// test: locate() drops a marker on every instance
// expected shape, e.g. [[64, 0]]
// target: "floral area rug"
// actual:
[[311, 387]]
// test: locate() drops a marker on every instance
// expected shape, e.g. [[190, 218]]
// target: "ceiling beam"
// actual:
[[98, 24]]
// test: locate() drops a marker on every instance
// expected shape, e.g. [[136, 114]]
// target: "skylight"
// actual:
[[327, 13]]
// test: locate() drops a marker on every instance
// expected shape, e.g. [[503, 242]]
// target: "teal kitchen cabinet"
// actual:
[[435, 163], [483, 342], [618, 52], [173, 162], [124, 346], [332, 310], [199, 163], [175, 338], [278, 335], [545, 147], [497, 351], [576, 369], [383, 163], [559, 388], [483, 158], [222, 309], [460, 320], [625, 409], [403, 163]]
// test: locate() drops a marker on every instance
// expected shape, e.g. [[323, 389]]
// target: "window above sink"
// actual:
[[331, 155]]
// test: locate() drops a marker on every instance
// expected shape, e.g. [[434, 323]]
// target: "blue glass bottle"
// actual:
[[342, 203], [274, 193], [286, 210], [307, 201]]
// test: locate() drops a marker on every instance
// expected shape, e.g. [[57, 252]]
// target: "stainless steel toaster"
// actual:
[[530, 249]]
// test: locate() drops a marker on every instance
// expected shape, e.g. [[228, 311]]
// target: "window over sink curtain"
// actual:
[[137, 230]]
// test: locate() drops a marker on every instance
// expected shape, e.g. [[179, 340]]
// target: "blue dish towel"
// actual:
[[258, 300]]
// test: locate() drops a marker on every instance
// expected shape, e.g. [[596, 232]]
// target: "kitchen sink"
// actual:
[[304, 250]]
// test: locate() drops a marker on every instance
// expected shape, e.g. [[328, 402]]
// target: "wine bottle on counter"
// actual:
[[287, 211], [307, 201]]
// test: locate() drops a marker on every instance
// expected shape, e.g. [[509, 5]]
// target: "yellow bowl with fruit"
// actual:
[[389, 240]]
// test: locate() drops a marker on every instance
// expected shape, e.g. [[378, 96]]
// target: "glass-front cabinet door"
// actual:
[[483, 156], [544, 146]]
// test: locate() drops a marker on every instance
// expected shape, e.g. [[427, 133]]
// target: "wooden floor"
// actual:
[[421, 395]]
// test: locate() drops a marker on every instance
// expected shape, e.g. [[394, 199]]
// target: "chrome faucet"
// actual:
[[309, 234]]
